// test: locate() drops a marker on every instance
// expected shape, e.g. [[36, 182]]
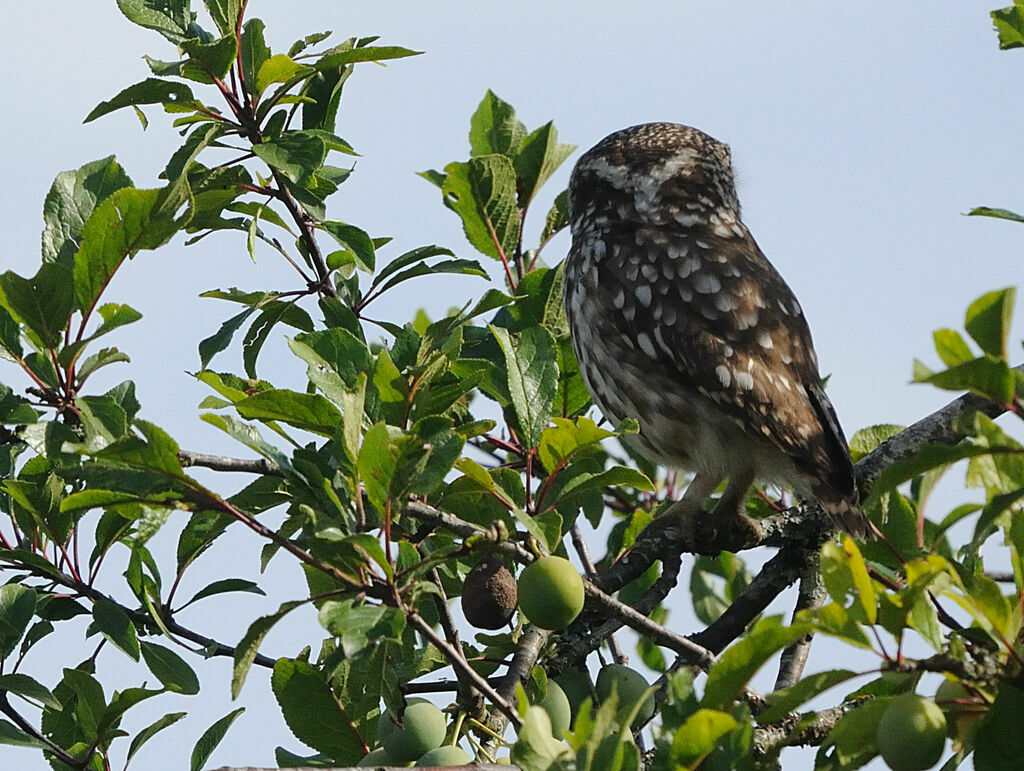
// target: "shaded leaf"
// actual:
[[170, 669], [211, 738]]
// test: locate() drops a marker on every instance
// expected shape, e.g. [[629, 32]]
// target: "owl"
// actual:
[[680, 322]]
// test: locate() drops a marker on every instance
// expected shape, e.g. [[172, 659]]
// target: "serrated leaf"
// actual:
[[149, 91], [483, 193], [42, 303], [211, 738], [494, 128], [532, 362], [128, 221], [171, 18], [557, 217], [313, 713], [539, 156], [72, 198], [310, 412], [211, 61]]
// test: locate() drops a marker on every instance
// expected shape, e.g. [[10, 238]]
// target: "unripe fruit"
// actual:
[[556, 704], [630, 686], [551, 593], [489, 595], [578, 688], [448, 755], [423, 728], [911, 734], [963, 709], [377, 757]]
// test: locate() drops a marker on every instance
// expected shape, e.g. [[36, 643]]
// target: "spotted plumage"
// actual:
[[679, 320]]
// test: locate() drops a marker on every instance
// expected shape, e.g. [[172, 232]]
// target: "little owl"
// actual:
[[679, 321]]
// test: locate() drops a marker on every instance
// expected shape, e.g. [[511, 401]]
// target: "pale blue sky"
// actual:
[[860, 133]]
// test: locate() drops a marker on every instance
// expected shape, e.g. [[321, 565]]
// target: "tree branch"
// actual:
[[794, 731], [810, 595], [260, 466], [211, 647]]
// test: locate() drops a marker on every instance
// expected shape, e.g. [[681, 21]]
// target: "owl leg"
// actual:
[[688, 512], [730, 511]]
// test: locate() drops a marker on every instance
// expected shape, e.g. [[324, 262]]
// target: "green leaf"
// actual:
[[126, 222], [927, 458], [988, 320], [297, 155], [734, 668], [986, 376], [999, 742], [868, 439], [72, 198], [1009, 24], [557, 217], [1001, 214], [29, 688], [336, 58], [313, 713], [405, 260], [170, 669], [90, 704], [12, 735], [278, 69], [559, 442], [43, 303], [156, 451], [115, 625], [541, 154], [149, 91], [951, 347], [781, 703], [10, 335], [150, 731], [211, 738], [221, 339], [311, 412], [248, 647], [532, 361], [378, 461], [483, 193], [17, 604], [211, 61], [254, 54], [225, 586], [851, 743], [494, 128], [171, 18], [225, 14], [355, 240], [699, 735]]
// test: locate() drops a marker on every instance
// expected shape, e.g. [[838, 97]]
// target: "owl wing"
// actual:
[[714, 311]]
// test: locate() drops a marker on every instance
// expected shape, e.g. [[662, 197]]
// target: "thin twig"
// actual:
[[459, 664], [260, 466]]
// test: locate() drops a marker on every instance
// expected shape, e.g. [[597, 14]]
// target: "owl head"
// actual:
[[660, 174]]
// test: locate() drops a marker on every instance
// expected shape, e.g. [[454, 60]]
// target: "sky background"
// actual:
[[860, 133]]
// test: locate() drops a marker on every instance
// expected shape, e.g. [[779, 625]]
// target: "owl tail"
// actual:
[[848, 515]]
